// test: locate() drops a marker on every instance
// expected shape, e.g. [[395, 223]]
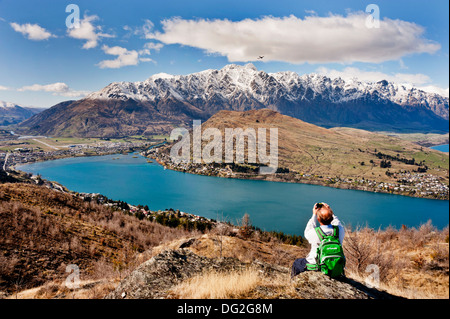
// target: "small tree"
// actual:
[[246, 226], [221, 229]]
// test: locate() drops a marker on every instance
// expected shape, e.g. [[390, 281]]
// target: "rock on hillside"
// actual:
[[155, 277]]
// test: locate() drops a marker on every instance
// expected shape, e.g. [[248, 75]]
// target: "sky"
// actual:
[[47, 55]]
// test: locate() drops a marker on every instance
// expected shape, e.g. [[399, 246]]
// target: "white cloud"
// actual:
[[57, 88], [151, 46], [418, 80], [54, 87], [147, 27], [72, 93], [349, 73], [435, 89], [139, 31], [3, 88], [314, 39], [124, 57], [88, 31], [32, 31], [154, 46]]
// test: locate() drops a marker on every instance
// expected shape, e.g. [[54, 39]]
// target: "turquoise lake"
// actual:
[[271, 205], [442, 148]]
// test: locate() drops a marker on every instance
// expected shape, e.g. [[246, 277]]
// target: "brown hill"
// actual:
[[108, 118], [335, 153], [44, 230], [11, 113]]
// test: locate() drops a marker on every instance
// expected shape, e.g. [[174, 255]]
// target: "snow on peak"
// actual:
[[236, 81], [250, 66], [161, 75], [8, 105]]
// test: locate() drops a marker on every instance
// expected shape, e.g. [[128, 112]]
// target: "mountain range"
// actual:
[[165, 101], [11, 113]]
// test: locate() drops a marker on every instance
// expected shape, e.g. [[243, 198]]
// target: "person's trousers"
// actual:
[[298, 266]]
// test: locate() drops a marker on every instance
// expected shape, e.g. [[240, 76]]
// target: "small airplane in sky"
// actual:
[[261, 57]]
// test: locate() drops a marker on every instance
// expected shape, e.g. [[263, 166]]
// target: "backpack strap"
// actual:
[[320, 233], [312, 267], [335, 231]]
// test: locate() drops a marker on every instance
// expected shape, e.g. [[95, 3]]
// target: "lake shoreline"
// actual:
[[209, 197], [278, 177], [202, 169], [282, 179], [124, 149]]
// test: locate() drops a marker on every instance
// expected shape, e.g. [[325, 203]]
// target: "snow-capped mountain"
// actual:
[[235, 82], [8, 105], [164, 101], [11, 113]]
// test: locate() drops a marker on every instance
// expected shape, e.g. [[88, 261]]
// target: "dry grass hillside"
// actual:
[[43, 231], [411, 262]]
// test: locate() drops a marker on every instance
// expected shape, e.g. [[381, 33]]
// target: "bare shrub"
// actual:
[[245, 227], [358, 246], [364, 247]]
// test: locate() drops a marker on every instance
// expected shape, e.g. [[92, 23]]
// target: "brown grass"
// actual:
[[217, 285], [88, 289], [43, 230], [249, 250], [411, 262]]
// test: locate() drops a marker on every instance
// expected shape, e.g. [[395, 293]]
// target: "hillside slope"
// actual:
[[44, 230], [335, 154], [108, 118]]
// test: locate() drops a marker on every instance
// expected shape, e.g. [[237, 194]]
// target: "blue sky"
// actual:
[[42, 62]]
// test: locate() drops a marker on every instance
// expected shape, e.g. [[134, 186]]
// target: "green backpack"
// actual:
[[330, 256]]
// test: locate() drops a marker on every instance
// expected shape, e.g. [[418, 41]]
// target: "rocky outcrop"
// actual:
[[155, 278], [315, 285]]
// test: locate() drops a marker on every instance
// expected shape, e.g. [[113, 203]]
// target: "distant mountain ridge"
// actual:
[[164, 101], [11, 113]]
